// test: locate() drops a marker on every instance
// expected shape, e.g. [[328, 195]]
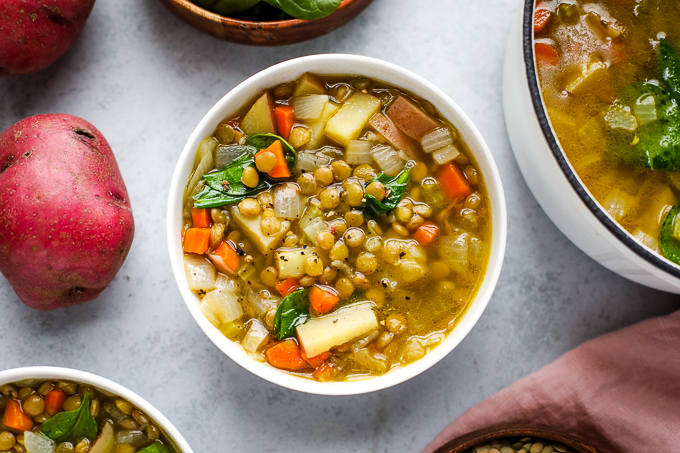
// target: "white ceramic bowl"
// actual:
[[553, 181], [351, 65], [103, 384]]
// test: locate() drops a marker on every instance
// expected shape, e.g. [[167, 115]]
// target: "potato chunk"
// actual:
[[260, 117], [352, 117], [250, 226]]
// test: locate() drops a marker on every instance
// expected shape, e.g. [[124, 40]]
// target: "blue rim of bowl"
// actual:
[[536, 99]]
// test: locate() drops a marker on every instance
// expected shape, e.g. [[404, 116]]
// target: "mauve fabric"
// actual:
[[619, 392]]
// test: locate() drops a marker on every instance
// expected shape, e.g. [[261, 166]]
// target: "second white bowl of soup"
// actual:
[[336, 224], [592, 116]]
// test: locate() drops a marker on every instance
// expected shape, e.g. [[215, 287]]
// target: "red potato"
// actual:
[[410, 119], [65, 215], [35, 33]]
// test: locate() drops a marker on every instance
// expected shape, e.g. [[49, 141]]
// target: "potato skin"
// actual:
[[66, 224], [35, 33]]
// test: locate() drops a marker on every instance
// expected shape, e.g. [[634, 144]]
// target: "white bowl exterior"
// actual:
[[552, 189], [68, 374], [334, 64]]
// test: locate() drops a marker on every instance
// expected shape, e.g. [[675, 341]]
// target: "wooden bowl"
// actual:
[[482, 436], [275, 33]]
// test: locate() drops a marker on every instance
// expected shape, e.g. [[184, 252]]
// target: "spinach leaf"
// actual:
[[293, 311], [670, 245], [395, 186], [72, 425], [156, 447], [225, 187], [262, 141], [226, 7], [306, 9], [670, 66]]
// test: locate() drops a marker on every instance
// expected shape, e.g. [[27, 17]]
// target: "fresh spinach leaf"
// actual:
[[72, 425], [156, 447], [670, 66], [262, 141], [293, 311], [225, 187], [306, 9], [226, 7], [395, 186], [670, 245]]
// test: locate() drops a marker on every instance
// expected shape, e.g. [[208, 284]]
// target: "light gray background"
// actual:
[[145, 79]]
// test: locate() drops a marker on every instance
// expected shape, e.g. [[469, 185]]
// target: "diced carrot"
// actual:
[[54, 401], [545, 53], [197, 240], [16, 418], [287, 286], [200, 217], [453, 182], [225, 258], [284, 120], [323, 300], [426, 233], [318, 360], [286, 355], [325, 372], [541, 19], [281, 170]]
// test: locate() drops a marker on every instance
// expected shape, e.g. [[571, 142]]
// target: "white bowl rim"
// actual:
[[83, 377], [581, 190], [484, 158]]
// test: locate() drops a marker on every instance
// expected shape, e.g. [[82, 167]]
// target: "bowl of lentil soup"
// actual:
[[61, 410], [311, 237]]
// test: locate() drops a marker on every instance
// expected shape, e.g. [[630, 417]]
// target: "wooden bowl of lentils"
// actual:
[[516, 439]]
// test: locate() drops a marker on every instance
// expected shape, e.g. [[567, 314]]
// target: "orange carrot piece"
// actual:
[[287, 286], [426, 233], [325, 372], [284, 120], [197, 240], [16, 418], [323, 300], [318, 360], [200, 217], [281, 170], [228, 261], [545, 53], [54, 401], [541, 19], [453, 182], [286, 355]]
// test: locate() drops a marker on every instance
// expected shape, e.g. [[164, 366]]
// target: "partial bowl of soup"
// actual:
[[591, 96], [61, 410], [336, 224]]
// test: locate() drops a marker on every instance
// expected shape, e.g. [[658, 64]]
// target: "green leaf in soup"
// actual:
[[670, 234], [224, 187], [670, 66], [293, 311], [306, 9], [227, 7], [156, 447], [395, 187], [262, 141], [72, 425]]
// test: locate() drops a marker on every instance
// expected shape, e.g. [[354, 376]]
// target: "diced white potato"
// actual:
[[224, 304], [309, 107], [291, 261], [321, 334], [106, 443], [309, 84], [200, 273], [250, 226], [317, 127], [352, 118], [260, 117], [256, 337]]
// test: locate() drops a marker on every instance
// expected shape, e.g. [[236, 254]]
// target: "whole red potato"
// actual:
[[66, 223], [35, 33]]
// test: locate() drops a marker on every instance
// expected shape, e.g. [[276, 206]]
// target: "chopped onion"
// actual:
[[618, 203], [314, 228], [309, 107], [260, 301], [620, 117], [358, 152], [366, 360], [311, 215], [224, 305], [204, 167], [206, 147], [412, 351], [229, 153], [645, 109], [35, 443], [132, 437], [646, 240], [387, 159], [453, 250], [445, 154], [343, 267], [436, 139], [208, 313], [311, 161], [229, 284], [363, 341], [200, 273], [288, 201], [331, 152], [189, 203], [256, 337]]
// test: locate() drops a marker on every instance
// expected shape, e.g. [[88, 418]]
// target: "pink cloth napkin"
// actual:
[[619, 392]]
